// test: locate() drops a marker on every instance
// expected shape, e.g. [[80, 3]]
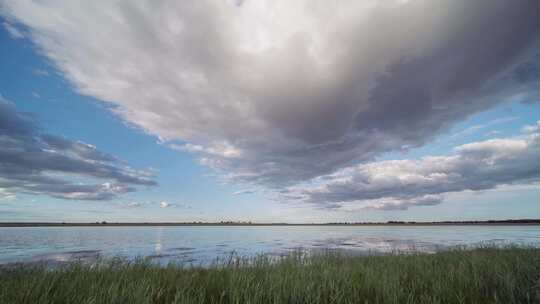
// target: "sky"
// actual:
[[269, 111]]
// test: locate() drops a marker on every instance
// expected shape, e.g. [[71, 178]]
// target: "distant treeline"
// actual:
[[232, 223], [519, 221]]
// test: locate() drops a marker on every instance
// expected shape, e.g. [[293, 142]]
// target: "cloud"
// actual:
[[532, 128], [162, 204], [41, 72], [246, 191], [476, 128], [388, 203], [131, 205], [399, 184], [6, 195], [223, 150], [36, 163], [170, 205], [276, 93], [12, 31]]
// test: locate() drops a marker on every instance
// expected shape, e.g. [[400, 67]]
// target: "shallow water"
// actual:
[[201, 245]]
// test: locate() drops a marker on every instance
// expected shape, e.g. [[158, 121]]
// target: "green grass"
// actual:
[[488, 275]]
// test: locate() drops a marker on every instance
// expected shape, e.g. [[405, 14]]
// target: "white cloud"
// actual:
[[390, 203], [276, 93], [399, 184], [133, 204], [6, 195], [13, 31], [245, 191], [221, 150], [532, 128], [474, 129], [162, 204]]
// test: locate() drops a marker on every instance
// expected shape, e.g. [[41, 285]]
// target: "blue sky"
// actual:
[[206, 152]]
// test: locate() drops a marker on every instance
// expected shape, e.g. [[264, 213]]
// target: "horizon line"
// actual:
[[249, 223]]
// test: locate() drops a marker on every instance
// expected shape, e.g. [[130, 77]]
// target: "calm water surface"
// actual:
[[201, 245]]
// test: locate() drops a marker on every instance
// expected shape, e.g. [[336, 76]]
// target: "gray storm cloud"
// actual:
[[399, 184], [275, 93], [36, 163]]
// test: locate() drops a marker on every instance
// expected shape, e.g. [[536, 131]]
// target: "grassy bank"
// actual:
[[488, 275]]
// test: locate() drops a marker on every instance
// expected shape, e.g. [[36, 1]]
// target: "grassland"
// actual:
[[488, 275]]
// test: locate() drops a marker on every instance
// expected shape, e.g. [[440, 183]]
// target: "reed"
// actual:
[[484, 275]]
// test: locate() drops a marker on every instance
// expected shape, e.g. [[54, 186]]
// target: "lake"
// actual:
[[199, 245]]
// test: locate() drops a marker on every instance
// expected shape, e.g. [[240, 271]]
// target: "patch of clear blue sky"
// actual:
[[35, 87]]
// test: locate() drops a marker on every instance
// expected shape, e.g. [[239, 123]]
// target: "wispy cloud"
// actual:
[[150, 204], [131, 204], [532, 129], [12, 31], [246, 191], [36, 163], [40, 72], [476, 128], [165, 204], [6, 195]]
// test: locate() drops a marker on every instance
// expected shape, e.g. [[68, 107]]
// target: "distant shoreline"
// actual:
[[172, 224]]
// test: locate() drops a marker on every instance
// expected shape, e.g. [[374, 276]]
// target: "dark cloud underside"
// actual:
[[36, 163]]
